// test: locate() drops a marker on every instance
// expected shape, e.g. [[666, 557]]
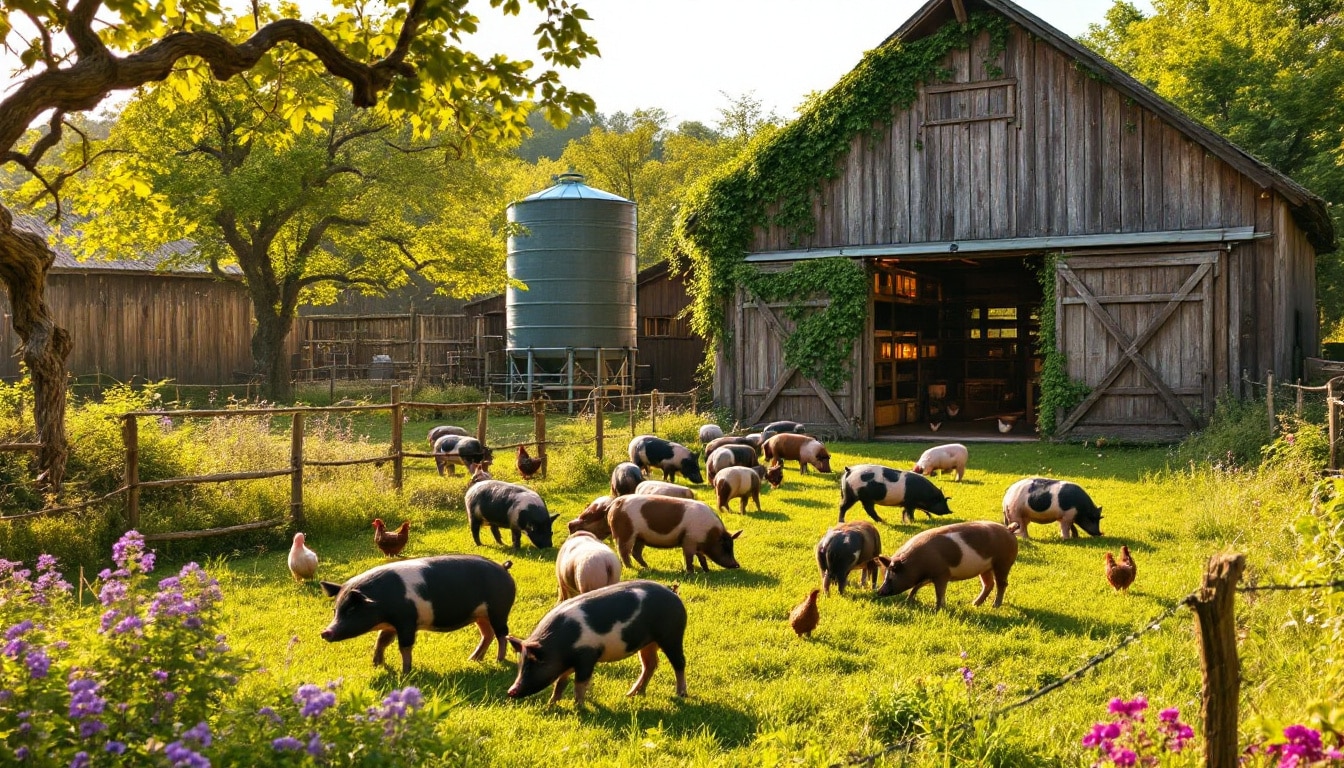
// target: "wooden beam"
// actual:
[[959, 8], [778, 329]]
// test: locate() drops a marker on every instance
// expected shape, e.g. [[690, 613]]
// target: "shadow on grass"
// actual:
[[731, 728], [716, 578], [1106, 543]]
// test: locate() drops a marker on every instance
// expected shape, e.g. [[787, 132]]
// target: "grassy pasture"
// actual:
[[756, 691]]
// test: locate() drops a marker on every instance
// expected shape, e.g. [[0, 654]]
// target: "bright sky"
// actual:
[[680, 55]]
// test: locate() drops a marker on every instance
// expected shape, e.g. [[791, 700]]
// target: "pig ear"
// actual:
[[884, 560], [735, 535], [355, 594], [331, 588], [947, 498], [516, 644], [555, 517]]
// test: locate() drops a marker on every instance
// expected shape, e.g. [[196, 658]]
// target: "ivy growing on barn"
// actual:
[[1060, 393], [775, 182]]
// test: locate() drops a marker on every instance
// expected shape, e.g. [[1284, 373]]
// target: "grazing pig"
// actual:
[[943, 458], [517, 507], [800, 448], [648, 451], [585, 564], [756, 440], [437, 432], [1042, 500], [659, 488], [778, 427], [593, 518], [625, 478], [849, 547], [437, 594], [662, 522], [607, 624], [714, 445], [952, 553], [729, 456], [871, 484], [710, 432], [452, 451], [739, 483]]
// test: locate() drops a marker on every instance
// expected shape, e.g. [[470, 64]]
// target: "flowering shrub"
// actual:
[[146, 677], [1128, 741], [1301, 747]]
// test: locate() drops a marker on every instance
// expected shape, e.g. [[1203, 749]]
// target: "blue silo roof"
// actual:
[[570, 186]]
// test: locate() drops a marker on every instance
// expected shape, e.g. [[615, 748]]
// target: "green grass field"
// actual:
[[758, 694]]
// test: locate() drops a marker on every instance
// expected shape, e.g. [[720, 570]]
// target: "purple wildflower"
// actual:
[[81, 760], [129, 553], [182, 756], [967, 676], [85, 701], [315, 746], [200, 734], [270, 714], [285, 743], [128, 624], [21, 753], [38, 663], [115, 747], [313, 701], [159, 675], [90, 727], [20, 629]]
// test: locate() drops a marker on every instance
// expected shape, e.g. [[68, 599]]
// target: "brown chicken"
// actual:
[[1121, 573], [805, 616], [391, 544], [527, 466]]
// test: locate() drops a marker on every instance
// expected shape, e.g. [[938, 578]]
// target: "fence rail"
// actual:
[[636, 406]]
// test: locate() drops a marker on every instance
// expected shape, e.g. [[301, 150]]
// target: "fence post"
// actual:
[[539, 430], [597, 414], [1214, 605], [1269, 400], [1299, 398], [634, 414], [397, 462], [653, 412], [482, 421], [1330, 415], [130, 438], [296, 467]]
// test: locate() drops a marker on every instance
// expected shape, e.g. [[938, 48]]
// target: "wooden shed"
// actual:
[[1178, 259], [142, 319], [669, 353]]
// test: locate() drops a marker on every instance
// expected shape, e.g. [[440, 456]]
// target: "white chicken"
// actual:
[[302, 560]]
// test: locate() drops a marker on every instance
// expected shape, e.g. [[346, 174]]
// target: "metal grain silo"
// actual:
[[575, 252]]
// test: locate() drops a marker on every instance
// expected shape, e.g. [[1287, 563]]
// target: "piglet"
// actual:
[[437, 594], [437, 432], [943, 458], [625, 478], [1042, 500], [849, 547], [739, 483], [871, 484], [604, 625], [507, 505], [952, 553], [648, 451], [585, 564], [804, 449]]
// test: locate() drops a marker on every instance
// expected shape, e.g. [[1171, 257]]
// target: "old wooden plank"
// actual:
[[900, 169], [1061, 70], [1112, 179], [1075, 153], [1184, 257], [1213, 189], [1154, 175], [1173, 166], [1131, 166], [1192, 184], [1134, 298]]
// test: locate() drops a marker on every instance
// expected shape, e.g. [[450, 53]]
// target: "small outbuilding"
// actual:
[[1039, 234]]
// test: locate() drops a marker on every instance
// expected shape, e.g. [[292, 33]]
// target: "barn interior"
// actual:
[[954, 347]]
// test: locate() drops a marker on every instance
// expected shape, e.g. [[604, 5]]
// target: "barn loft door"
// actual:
[[1138, 330], [770, 388]]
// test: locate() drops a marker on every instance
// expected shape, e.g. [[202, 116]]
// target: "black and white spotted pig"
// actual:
[[604, 625], [849, 547], [778, 427], [437, 432], [872, 484], [505, 505], [729, 456], [625, 478], [452, 451], [436, 594], [648, 451], [1042, 500]]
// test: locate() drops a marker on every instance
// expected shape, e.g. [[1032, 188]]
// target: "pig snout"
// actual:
[[329, 635], [514, 691]]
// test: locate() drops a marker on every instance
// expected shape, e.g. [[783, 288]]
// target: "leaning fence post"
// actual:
[[597, 413], [653, 412], [296, 471], [1269, 400], [539, 430], [482, 421], [130, 438], [396, 438], [1214, 605]]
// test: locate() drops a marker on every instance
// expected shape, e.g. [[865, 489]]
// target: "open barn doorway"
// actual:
[[954, 348]]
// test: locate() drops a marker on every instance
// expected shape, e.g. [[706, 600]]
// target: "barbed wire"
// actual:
[[1337, 584]]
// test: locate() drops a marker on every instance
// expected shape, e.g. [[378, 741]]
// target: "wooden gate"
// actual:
[[767, 389], [1138, 330]]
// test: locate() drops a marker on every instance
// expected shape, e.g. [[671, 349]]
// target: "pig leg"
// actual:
[[870, 509], [385, 638], [802, 466], [487, 634], [704, 564], [986, 584], [476, 528], [672, 649], [1002, 579], [517, 537], [625, 548], [583, 677], [939, 590], [908, 515], [559, 689], [961, 470], [826, 583], [439, 463], [756, 497], [648, 661], [744, 505], [637, 552], [494, 530], [688, 553]]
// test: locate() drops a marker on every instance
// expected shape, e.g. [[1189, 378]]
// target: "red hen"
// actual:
[[1121, 573], [391, 544], [805, 617], [527, 466]]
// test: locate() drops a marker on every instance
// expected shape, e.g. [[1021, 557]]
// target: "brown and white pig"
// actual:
[[729, 456], [710, 432], [662, 522], [739, 483], [1042, 500], [714, 445], [952, 553], [507, 505], [452, 451], [872, 484], [585, 564], [625, 478], [804, 449], [436, 594], [649, 451], [659, 488], [604, 625], [943, 458], [849, 547]]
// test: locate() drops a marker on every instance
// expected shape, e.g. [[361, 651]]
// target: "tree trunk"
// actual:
[[269, 356], [24, 261]]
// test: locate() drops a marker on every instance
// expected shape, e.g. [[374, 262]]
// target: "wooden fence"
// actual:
[[1332, 394], [635, 407]]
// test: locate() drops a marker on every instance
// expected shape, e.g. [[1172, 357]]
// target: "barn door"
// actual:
[[1138, 330], [768, 388]]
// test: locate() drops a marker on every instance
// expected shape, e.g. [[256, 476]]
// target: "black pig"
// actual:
[[1042, 500], [505, 505], [437, 594], [453, 450], [625, 478], [849, 547]]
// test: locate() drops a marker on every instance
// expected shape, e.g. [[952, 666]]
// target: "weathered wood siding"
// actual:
[[666, 363], [193, 329]]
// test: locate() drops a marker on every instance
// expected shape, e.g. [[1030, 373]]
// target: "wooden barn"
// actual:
[[132, 319], [1179, 259]]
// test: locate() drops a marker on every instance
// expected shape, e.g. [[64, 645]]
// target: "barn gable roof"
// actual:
[[1309, 210], [168, 259]]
